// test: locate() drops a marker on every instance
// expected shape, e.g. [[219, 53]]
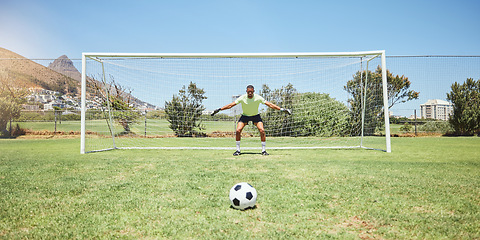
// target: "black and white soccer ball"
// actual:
[[243, 196]]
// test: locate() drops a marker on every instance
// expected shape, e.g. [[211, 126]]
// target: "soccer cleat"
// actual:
[[264, 153], [236, 153]]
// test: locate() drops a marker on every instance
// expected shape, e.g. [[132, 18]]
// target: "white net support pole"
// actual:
[[83, 104], [385, 103]]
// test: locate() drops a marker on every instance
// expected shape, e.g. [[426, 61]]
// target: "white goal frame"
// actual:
[[370, 54]]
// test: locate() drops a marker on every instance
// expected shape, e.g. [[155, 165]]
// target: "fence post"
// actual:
[[415, 122], [55, 114]]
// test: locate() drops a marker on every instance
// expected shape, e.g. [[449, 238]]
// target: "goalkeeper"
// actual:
[[250, 103]]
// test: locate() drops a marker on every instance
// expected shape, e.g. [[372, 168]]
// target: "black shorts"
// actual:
[[254, 119]]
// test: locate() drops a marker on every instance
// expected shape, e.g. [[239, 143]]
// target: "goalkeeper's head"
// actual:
[[250, 91]]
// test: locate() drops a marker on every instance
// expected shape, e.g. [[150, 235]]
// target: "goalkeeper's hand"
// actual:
[[287, 111], [216, 111]]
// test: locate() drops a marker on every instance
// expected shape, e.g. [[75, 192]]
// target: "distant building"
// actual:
[[50, 105], [436, 109], [30, 107]]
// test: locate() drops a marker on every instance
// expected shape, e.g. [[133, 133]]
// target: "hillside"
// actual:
[[27, 73], [61, 75]]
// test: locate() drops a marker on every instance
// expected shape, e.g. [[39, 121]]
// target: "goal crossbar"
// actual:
[[235, 55]]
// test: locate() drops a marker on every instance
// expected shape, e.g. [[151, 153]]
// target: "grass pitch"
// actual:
[[427, 188]]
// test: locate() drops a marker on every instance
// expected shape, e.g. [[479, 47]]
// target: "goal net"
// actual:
[[165, 101]]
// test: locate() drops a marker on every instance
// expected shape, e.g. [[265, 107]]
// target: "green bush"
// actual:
[[406, 128], [436, 126], [313, 114], [46, 116], [323, 116]]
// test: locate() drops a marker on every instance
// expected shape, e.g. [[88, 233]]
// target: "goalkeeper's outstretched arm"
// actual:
[[228, 106], [269, 104], [273, 106]]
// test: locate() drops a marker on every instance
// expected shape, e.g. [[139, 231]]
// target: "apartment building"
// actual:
[[436, 109]]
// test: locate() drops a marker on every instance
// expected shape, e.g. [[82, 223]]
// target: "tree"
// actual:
[[466, 107], [118, 99], [11, 100], [398, 90], [183, 111]]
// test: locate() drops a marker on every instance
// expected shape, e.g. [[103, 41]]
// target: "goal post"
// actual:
[[164, 100]]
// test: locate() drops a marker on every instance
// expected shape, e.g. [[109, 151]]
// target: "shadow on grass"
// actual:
[[251, 153], [246, 209]]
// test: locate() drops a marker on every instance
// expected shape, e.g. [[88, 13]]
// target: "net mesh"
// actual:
[[165, 102]]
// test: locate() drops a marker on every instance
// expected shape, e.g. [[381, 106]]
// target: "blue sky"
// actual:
[[50, 28]]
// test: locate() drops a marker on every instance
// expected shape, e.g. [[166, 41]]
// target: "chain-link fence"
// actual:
[[53, 100]]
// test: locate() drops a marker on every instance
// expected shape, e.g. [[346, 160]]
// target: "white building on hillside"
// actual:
[[436, 109]]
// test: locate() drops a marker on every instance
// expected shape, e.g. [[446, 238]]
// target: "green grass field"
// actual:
[[427, 188]]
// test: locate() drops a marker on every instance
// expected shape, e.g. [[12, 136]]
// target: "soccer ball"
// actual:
[[243, 196]]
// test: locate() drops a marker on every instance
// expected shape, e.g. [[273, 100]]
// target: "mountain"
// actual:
[[65, 66], [61, 75], [24, 72]]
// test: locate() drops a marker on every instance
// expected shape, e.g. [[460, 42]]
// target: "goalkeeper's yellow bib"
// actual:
[[250, 105]]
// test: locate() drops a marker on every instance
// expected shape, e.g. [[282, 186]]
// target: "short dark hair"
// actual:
[[250, 86]]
